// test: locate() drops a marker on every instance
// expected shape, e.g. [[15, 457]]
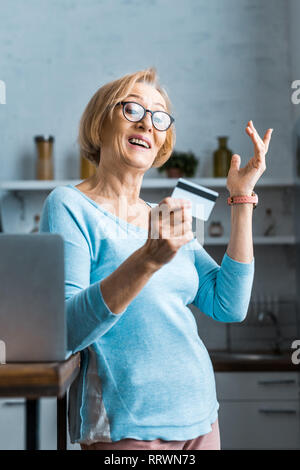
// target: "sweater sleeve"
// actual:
[[224, 291], [87, 315]]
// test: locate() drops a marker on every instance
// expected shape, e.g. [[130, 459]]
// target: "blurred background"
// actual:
[[222, 62]]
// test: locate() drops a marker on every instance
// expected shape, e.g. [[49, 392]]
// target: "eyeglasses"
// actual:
[[135, 112]]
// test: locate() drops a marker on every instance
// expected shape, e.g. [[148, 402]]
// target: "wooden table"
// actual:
[[37, 380]]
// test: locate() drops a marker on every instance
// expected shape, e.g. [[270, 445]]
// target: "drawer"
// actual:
[[12, 421], [259, 425], [257, 385]]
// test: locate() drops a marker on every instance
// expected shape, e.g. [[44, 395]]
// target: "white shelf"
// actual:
[[279, 240], [34, 185], [148, 183]]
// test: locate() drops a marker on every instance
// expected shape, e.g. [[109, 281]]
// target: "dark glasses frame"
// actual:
[[123, 103]]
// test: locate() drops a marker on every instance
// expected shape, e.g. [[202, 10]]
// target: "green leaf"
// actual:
[[186, 161]]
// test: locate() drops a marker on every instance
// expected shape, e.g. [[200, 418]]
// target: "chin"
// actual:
[[138, 161]]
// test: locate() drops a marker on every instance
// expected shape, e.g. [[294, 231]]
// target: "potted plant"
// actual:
[[180, 164]]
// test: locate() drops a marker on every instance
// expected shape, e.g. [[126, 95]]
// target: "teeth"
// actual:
[[138, 141]]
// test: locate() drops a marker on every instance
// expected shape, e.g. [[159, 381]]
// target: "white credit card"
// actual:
[[202, 199]]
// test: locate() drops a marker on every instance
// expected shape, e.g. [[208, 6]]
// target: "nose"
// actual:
[[146, 122]]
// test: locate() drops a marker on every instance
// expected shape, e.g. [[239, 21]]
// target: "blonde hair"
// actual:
[[101, 106]]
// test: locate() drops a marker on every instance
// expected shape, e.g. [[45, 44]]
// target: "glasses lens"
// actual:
[[161, 120], [133, 111]]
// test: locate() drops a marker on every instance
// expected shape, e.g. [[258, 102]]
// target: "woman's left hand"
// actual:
[[241, 181]]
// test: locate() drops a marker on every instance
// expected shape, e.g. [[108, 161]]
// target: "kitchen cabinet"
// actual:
[[12, 412], [259, 410], [12, 424]]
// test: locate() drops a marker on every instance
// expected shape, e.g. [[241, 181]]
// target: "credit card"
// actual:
[[202, 199]]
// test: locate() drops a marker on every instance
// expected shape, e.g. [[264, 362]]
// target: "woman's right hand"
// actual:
[[170, 227]]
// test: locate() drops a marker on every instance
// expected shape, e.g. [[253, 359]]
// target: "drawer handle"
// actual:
[[278, 411], [277, 382], [13, 403]]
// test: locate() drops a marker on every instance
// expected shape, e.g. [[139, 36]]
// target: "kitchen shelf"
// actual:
[[279, 240], [148, 183], [160, 183], [34, 185]]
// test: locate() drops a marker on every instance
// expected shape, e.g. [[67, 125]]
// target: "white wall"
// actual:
[[223, 63]]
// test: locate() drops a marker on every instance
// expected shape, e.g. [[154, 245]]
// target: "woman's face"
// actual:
[[116, 136]]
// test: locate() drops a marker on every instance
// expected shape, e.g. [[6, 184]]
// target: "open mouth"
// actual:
[[138, 143]]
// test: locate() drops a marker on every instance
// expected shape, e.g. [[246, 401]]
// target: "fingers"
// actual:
[[267, 138], [172, 218], [261, 146], [254, 136], [180, 230], [253, 132], [177, 209], [250, 123], [174, 204], [178, 216], [177, 222]]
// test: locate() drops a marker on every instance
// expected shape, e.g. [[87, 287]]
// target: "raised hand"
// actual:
[[241, 181]]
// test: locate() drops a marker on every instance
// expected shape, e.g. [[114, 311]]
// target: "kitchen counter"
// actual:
[[224, 361]]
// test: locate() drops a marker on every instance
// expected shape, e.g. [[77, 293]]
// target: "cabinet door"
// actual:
[[48, 424], [12, 419], [259, 425], [257, 385], [48, 431], [12, 424]]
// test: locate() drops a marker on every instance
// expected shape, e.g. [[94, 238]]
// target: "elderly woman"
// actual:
[[146, 379]]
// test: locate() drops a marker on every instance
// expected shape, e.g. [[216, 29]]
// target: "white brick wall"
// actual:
[[223, 62]]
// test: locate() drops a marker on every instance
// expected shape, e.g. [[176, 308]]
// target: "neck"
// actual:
[[113, 185]]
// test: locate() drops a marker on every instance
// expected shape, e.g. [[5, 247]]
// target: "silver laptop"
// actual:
[[32, 311]]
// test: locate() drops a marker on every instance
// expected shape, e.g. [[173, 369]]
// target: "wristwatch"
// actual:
[[243, 199]]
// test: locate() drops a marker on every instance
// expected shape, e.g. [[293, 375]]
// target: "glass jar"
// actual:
[[87, 168], [222, 159], [216, 229], [44, 169]]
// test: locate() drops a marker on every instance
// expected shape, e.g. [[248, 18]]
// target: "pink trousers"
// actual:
[[210, 441]]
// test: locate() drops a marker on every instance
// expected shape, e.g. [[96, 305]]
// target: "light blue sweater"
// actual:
[[145, 373]]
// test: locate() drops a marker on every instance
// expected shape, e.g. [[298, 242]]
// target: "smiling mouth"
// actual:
[[136, 144]]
